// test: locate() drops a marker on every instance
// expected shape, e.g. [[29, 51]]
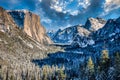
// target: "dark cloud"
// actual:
[[59, 18]]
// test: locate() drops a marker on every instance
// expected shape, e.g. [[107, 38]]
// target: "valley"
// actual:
[[80, 52]]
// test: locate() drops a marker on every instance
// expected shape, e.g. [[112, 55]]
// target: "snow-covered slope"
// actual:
[[82, 41], [51, 34], [67, 35]]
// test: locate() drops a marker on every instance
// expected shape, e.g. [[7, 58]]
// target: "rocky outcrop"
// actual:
[[93, 24], [30, 23], [6, 21]]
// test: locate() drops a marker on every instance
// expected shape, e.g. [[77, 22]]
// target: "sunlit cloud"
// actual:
[[111, 5], [73, 7]]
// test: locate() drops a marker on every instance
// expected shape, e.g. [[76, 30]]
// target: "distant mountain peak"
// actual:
[[93, 24], [67, 35]]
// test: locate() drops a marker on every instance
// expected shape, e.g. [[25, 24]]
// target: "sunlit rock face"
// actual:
[[30, 23], [93, 24]]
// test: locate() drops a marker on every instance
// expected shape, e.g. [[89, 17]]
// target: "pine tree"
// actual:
[[45, 73], [90, 65], [90, 69], [105, 54], [105, 61], [103, 66], [61, 74]]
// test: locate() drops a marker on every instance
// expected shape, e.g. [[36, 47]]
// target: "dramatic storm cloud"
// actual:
[[63, 13]]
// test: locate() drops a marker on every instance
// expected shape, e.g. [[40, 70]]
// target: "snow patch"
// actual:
[[110, 35]]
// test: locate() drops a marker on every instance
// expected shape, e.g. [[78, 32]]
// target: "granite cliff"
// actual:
[[30, 23]]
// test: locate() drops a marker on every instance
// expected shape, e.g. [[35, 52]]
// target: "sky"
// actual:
[[55, 14]]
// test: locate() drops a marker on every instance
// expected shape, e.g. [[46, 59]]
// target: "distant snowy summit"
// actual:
[[93, 24], [67, 35], [95, 33]]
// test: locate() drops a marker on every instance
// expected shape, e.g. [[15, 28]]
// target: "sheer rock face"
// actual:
[[30, 23], [93, 24], [11, 35]]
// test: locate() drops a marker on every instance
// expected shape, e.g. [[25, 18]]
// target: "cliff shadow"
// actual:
[[59, 59]]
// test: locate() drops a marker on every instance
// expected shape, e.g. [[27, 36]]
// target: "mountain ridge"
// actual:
[[91, 25]]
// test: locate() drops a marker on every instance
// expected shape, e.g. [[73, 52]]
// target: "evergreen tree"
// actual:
[[105, 54], [61, 75], [90, 65], [105, 61], [45, 73], [104, 65], [90, 69]]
